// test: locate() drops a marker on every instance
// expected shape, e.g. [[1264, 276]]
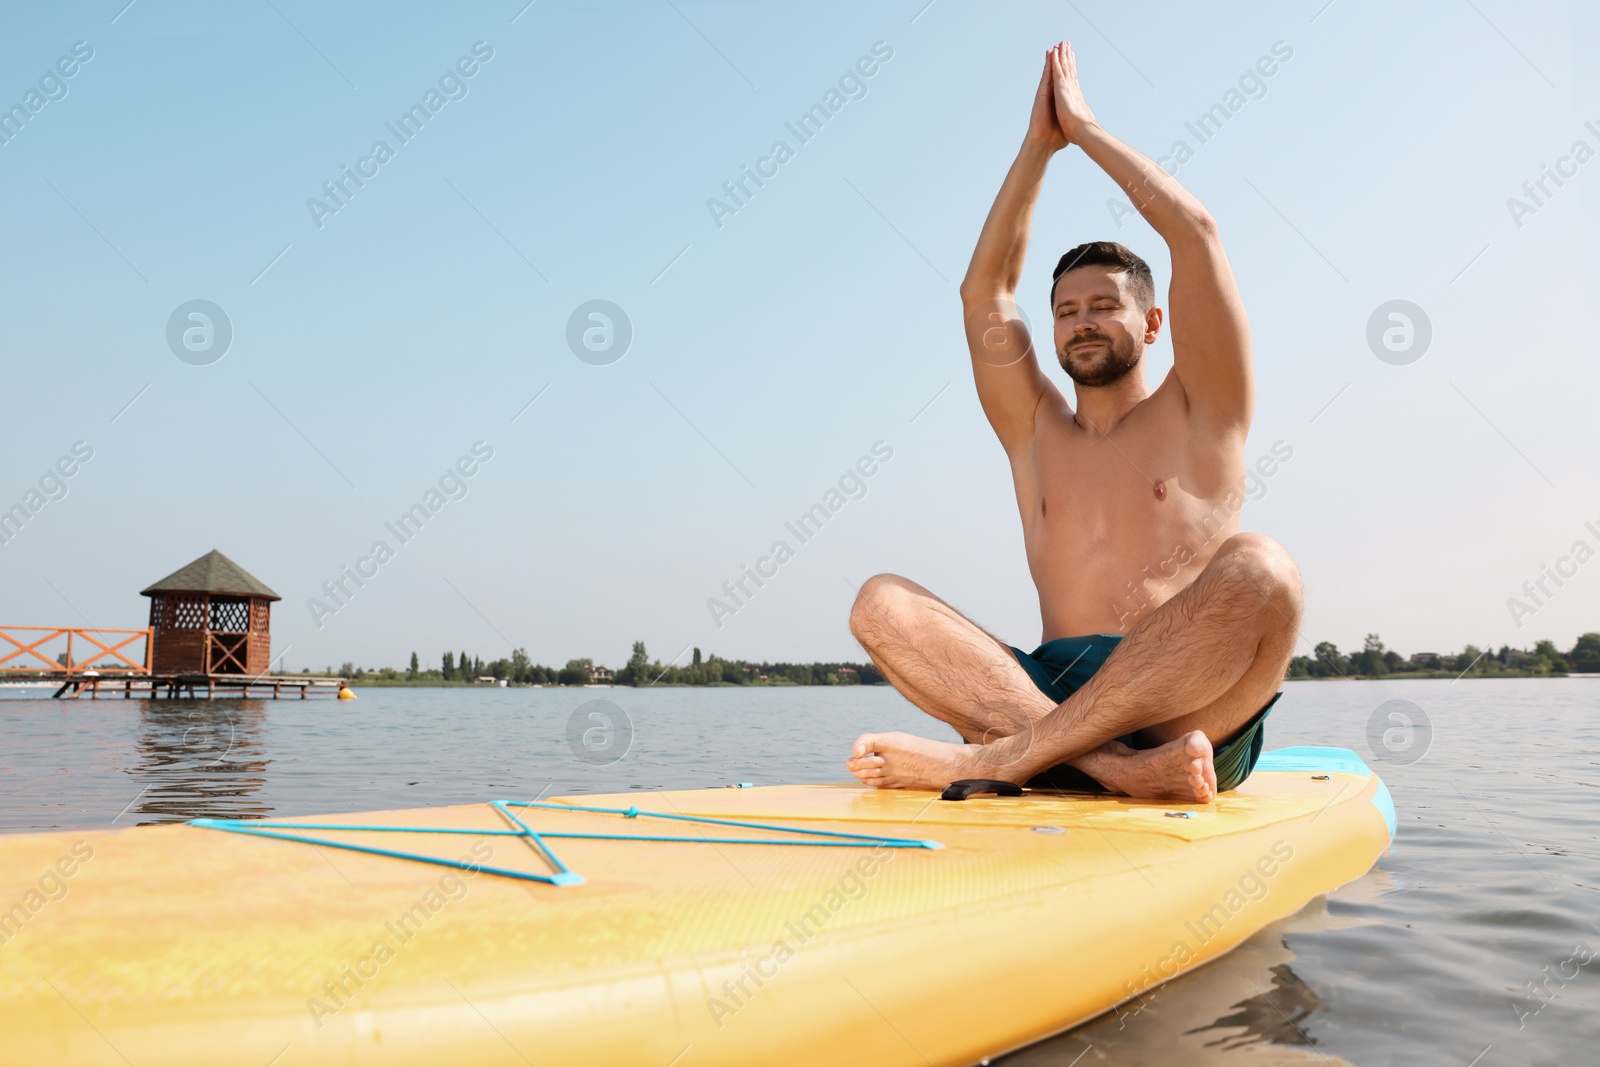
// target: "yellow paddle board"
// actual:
[[797, 924]]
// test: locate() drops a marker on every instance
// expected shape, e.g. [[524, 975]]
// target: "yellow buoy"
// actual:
[[346, 693]]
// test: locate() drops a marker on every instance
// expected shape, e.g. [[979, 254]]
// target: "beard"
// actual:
[[1103, 367]]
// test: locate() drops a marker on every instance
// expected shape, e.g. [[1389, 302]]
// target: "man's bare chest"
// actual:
[[1144, 484]]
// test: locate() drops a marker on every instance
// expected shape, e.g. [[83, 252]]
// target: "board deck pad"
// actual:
[[185, 944]]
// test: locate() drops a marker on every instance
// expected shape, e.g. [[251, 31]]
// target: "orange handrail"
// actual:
[[72, 666]]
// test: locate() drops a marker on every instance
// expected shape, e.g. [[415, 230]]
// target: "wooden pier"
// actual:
[[200, 686], [209, 635]]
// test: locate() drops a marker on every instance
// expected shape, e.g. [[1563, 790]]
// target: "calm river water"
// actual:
[[1493, 885]]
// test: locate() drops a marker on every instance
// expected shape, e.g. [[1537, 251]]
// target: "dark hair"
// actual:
[[1116, 257]]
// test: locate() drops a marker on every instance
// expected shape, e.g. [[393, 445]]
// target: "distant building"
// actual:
[[600, 674], [211, 617]]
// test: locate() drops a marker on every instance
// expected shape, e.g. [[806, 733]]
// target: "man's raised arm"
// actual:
[[1210, 334], [1007, 372]]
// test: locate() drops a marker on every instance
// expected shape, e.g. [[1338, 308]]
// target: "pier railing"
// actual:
[[55, 650]]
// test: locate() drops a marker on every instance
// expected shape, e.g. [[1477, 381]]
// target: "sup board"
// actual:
[[796, 924]]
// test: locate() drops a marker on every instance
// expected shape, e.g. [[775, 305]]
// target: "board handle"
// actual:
[[967, 787]]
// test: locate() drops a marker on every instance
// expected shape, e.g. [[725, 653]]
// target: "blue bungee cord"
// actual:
[[563, 876]]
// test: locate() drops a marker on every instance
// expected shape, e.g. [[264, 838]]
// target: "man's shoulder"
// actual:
[[1165, 412], [1170, 407]]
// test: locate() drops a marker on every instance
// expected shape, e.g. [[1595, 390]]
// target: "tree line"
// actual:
[[1373, 660], [640, 670]]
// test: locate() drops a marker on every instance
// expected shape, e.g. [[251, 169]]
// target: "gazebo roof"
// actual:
[[211, 573]]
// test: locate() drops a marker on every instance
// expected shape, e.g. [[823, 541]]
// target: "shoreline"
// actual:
[[401, 683], [434, 683]]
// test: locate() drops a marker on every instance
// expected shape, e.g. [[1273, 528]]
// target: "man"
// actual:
[[1166, 631]]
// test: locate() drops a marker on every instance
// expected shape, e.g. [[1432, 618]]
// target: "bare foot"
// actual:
[[904, 761], [1178, 770]]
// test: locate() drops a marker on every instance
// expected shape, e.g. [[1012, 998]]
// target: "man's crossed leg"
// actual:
[[1188, 677]]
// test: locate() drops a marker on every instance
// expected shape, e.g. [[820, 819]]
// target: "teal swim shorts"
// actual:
[[1060, 668]]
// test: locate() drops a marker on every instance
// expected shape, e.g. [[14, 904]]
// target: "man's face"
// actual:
[[1100, 331]]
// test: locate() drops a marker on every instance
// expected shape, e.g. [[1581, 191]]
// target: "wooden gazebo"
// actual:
[[210, 618]]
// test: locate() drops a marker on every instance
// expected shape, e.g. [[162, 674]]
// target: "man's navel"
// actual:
[[1044, 506], [1161, 489]]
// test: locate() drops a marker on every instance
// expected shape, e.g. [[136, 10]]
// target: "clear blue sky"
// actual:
[[768, 353]]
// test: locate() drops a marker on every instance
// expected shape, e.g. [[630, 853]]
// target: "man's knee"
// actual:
[[878, 600], [1258, 564]]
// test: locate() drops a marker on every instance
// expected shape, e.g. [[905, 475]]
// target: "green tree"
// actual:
[[576, 672], [697, 655], [638, 668], [1329, 660], [1585, 655], [1548, 659], [1369, 661], [521, 669], [447, 667], [415, 668]]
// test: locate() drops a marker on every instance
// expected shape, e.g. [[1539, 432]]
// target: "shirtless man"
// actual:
[[1130, 515]]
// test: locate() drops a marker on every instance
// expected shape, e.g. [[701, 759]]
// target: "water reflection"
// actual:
[[1252, 995], [1274, 1015], [201, 758]]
